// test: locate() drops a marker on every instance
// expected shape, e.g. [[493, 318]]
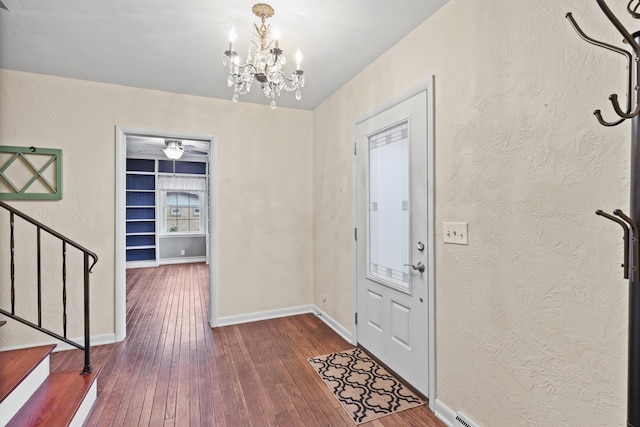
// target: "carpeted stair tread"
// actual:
[[16, 365], [57, 400]]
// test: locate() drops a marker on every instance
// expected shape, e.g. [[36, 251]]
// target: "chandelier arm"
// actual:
[[246, 65], [289, 79], [292, 78]]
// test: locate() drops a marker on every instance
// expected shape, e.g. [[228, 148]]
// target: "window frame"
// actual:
[[162, 214]]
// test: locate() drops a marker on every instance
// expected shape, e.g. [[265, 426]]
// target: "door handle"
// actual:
[[419, 266]]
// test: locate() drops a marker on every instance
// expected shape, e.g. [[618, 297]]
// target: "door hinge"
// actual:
[[355, 152], [356, 318], [355, 234]]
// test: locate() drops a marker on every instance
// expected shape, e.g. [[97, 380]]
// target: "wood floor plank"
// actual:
[[308, 398], [268, 385], [147, 360], [161, 396], [201, 386], [173, 369], [241, 403], [183, 365], [162, 318], [213, 369], [138, 353], [280, 375]]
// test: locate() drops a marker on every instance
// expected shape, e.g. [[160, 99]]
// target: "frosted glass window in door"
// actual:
[[389, 204]]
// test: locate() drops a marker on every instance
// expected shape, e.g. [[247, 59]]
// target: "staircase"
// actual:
[[32, 396]]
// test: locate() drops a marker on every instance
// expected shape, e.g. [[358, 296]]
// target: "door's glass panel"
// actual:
[[389, 204]]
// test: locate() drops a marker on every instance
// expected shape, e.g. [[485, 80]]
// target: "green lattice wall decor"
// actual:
[[29, 173]]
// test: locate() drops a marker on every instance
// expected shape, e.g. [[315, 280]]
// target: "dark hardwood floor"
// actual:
[[174, 370]]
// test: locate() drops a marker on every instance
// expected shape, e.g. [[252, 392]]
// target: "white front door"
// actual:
[[392, 241]]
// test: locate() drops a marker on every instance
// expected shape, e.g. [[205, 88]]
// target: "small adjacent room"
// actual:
[[167, 215]]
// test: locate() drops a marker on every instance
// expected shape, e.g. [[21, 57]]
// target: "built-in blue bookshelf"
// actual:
[[184, 167], [141, 210], [142, 224]]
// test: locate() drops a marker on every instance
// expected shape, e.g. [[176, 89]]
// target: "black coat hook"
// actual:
[[634, 239], [625, 237]]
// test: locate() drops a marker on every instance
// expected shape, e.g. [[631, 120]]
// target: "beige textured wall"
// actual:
[[531, 316], [264, 210]]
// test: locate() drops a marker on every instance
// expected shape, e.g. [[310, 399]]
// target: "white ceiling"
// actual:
[[177, 46]]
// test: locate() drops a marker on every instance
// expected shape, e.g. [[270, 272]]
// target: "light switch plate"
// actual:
[[455, 233]]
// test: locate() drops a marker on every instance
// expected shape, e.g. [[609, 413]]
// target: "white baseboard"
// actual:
[[337, 327], [446, 414], [283, 312], [63, 346], [141, 264], [182, 260], [95, 341], [263, 315]]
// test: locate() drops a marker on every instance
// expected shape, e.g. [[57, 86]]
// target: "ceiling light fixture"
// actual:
[[265, 61], [174, 149]]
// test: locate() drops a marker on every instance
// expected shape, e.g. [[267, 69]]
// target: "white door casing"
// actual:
[[120, 294], [394, 217]]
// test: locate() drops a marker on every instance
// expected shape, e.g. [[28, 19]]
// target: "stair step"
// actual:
[[64, 399], [16, 365]]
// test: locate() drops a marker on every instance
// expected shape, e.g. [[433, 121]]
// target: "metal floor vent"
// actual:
[[463, 421]]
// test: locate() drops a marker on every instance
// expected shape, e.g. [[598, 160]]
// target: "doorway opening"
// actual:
[[165, 207]]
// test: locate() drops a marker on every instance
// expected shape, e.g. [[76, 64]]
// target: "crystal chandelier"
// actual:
[[265, 62]]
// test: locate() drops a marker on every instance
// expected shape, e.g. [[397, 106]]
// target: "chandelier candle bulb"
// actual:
[[298, 59], [232, 39], [276, 38]]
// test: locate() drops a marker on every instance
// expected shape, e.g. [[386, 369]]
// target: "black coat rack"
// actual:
[[629, 224]]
